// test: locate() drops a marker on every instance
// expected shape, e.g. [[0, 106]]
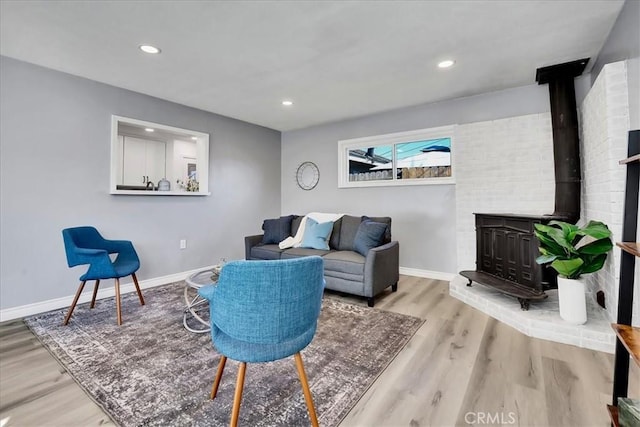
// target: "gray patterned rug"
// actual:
[[151, 371]]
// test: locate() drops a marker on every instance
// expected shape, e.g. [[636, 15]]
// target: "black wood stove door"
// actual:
[[507, 248]]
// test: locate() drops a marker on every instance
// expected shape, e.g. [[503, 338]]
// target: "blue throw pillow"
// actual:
[[316, 236], [369, 235], [276, 230]]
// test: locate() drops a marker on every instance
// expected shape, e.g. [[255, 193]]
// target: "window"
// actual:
[[406, 158]]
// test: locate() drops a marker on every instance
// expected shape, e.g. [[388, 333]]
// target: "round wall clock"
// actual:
[[307, 175]]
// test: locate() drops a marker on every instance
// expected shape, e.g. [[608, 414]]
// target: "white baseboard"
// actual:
[[54, 304], [437, 275]]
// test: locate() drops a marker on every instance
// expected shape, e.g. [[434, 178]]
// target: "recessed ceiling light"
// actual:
[[148, 129], [446, 64], [195, 138], [287, 103], [149, 49]]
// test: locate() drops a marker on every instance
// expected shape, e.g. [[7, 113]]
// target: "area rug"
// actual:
[[151, 371]]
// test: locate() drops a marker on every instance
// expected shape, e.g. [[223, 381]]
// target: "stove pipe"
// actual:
[[566, 145]]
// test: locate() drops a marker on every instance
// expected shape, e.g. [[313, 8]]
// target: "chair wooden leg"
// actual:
[[118, 308], [75, 301], [305, 388], [95, 293], [216, 383], [135, 282], [237, 397]]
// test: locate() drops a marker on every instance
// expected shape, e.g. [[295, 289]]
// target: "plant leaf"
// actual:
[[547, 242], [550, 246], [598, 247], [594, 263], [569, 268], [595, 229], [569, 230], [559, 237], [545, 259]]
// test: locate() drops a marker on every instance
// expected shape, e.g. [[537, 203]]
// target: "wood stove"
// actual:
[[506, 248], [506, 251]]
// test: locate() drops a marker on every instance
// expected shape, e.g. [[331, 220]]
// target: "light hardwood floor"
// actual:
[[461, 368]]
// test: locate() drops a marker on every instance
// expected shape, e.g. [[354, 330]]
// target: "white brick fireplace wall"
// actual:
[[604, 124], [501, 166]]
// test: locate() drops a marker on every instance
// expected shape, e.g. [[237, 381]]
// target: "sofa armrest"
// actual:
[[250, 242], [381, 268]]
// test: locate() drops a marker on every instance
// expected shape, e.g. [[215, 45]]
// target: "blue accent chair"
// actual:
[[84, 245], [263, 311]]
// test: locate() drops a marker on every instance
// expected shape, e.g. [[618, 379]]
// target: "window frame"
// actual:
[[392, 139]]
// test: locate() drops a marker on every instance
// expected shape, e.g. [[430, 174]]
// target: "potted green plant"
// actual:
[[573, 251]]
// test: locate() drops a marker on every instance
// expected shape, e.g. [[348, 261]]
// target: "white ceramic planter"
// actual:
[[572, 300]]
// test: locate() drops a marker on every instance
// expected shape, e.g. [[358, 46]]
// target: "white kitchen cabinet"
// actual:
[[143, 161]]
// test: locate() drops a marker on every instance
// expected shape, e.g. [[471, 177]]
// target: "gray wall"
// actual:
[[423, 216], [623, 43], [55, 148]]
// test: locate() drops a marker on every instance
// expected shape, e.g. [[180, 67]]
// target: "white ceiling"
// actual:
[[334, 59]]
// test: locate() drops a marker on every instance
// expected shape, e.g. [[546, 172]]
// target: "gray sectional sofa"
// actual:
[[348, 266]]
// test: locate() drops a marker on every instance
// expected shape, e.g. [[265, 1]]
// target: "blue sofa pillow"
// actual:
[[369, 235], [385, 220], [348, 229], [316, 236], [276, 230]]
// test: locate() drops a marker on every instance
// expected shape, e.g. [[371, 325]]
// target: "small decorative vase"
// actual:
[[572, 300], [164, 185]]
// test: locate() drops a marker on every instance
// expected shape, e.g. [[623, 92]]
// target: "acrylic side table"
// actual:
[[193, 304]]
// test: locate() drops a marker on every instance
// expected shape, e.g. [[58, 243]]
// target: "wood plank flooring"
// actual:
[[461, 368], [34, 388]]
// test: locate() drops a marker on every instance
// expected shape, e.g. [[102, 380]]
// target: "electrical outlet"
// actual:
[[183, 244]]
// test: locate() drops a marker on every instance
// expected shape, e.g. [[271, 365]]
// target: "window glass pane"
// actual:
[[371, 164], [424, 159]]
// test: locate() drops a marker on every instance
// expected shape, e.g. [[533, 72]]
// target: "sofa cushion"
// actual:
[[384, 220], [344, 262], [300, 252], [316, 235], [348, 230], [370, 235], [266, 252], [349, 284], [344, 276], [276, 230], [334, 240]]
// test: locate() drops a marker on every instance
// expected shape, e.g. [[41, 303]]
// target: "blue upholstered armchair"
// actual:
[[263, 311], [84, 245]]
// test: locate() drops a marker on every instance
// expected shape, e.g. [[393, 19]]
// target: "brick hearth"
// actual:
[[542, 320]]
